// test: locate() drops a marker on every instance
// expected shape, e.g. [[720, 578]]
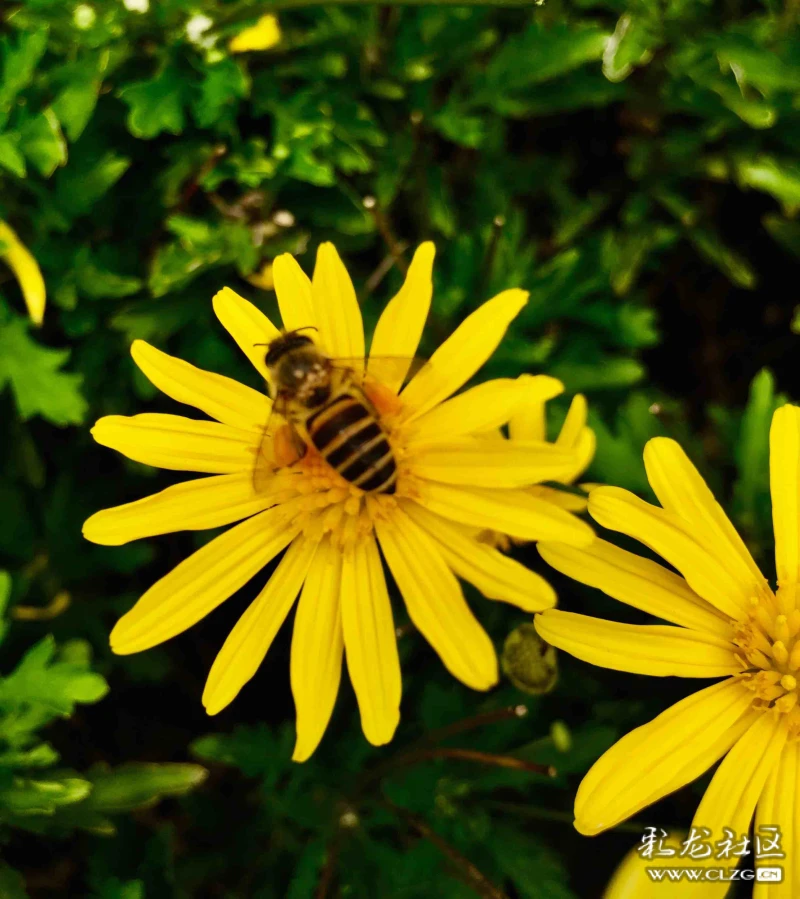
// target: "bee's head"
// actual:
[[283, 345], [298, 368]]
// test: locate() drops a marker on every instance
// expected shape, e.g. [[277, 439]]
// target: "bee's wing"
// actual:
[[383, 369], [267, 460]]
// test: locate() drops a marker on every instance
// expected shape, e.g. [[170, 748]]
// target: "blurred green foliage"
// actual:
[[632, 164]]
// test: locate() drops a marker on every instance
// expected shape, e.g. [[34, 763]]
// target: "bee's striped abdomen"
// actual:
[[347, 435]]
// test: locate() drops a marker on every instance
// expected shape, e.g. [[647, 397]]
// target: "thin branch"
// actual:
[[466, 724], [470, 874]]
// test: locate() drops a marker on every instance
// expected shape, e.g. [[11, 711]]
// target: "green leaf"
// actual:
[[112, 888], [37, 383], [12, 883], [86, 179], [11, 156], [43, 143], [29, 796], [224, 84], [140, 785], [632, 44], [156, 105], [44, 680], [19, 64]]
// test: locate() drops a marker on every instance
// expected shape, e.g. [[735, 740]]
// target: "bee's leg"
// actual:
[[289, 447]]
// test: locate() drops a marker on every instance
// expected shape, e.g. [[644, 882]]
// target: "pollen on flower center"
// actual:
[[320, 501], [769, 640]]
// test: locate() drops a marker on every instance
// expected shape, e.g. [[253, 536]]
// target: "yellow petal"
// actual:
[[663, 532], [219, 397], [370, 642], [177, 443], [247, 644], [571, 502], [494, 574], [293, 289], [191, 506], [463, 353], [584, 450], [513, 512], [735, 788], [490, 463], [26, 271], [399, 328], [784, 479], [574, 423], [261, 36], [340, 327], [681, 490], [657, 649], [779, 806], [529, 423], [639, 582], [317, 646], [480, 408], [200, 583], [247, 325], [435, 602], [659, 757]]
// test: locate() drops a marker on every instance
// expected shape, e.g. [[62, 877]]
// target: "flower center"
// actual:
[[769, 641]]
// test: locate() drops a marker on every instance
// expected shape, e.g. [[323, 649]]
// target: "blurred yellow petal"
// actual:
[[495, 575], [480, 408], [317, 646], [513, 512], [435, 602], [571, 502], [639, 582], [735, 788], [177, 443], [338, 315], [784, 478], [293, 290], [664, 532], [779, 806], [529, 421], [463, 353], [371, 642], [219, 397], [659, 757], [191, 506], [656, 649], [247, 644], [247, 325], [200, 583], [266, 33], [399, 328], [681, 490], [26, 271], [488, 463], [262, 278], [574, 423], [631, 880]]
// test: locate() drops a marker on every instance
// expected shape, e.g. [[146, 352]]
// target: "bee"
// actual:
[[327, 409]]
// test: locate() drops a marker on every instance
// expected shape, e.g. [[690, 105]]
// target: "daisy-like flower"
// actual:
[[725, 622], [452, 481]]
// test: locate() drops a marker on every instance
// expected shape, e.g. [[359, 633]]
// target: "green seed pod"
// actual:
[[561, 737], [528, 662]]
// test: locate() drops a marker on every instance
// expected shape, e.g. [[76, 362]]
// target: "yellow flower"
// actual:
[[266, 33], [631, 880], [726, 622], [450, 485], [26, 270]]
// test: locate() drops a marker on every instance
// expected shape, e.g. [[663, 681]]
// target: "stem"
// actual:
[[474, 755], [471, 875]]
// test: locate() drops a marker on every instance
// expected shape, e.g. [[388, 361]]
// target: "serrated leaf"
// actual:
[[11, 156], [86, 179], [43, 680], [156, 105], [20, 60], [34, 374], [224, 84]]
